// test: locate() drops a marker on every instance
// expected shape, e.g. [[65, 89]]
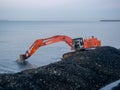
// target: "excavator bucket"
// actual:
[[21, 58]]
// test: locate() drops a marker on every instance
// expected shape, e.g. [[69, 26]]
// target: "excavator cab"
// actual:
[[78, 43]]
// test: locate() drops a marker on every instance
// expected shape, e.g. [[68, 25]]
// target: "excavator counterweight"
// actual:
[[75, 44]]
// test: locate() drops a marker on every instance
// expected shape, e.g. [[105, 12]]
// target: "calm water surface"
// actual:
[[17, 36]]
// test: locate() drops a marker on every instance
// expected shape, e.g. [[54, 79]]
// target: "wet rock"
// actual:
[[79, 70]]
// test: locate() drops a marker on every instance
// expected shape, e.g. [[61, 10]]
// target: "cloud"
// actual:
[[111, 3], [59, 9], [41, 4], [33, 3]]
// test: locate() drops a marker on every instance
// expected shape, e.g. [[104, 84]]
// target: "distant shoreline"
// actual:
[[109, 20], [60, 21]]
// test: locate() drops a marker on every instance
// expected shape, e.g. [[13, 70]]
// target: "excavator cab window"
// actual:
[[78, 43]]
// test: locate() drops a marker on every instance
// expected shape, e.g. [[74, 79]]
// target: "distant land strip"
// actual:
[[110, 20]]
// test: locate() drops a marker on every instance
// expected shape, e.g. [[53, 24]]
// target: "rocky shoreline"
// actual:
[[79, 70]]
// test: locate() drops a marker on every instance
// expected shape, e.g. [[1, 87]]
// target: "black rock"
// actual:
[[117, 87], [79, 70]]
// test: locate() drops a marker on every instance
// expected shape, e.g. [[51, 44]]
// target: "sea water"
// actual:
[[17, 36]]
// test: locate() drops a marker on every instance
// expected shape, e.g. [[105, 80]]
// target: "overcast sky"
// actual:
[[59, 9]]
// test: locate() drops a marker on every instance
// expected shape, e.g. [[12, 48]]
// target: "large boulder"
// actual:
[[78, 70]]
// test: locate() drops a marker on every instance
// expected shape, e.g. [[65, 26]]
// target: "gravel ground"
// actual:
[[79, 70]]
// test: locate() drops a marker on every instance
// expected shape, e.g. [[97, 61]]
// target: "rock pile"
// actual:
[[79, 70]]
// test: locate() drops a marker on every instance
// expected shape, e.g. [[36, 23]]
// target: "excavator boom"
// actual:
[[46, 41], [42, 42]]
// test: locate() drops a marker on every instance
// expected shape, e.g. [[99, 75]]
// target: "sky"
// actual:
[[59, 9]]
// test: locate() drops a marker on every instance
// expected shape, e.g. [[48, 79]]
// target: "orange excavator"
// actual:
[[75, 44]]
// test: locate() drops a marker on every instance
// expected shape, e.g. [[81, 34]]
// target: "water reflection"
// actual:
[[25, 65]]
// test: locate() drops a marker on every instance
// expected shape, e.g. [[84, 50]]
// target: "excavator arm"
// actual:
[[46, 41]]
